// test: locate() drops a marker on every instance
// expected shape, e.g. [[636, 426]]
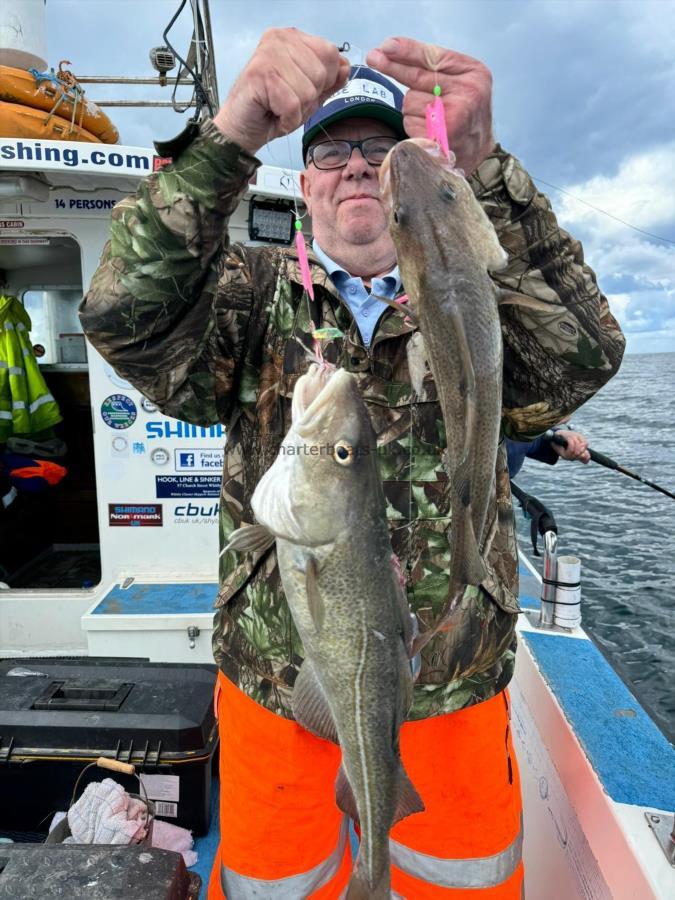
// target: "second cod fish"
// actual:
[[322, 501], [445, 246]]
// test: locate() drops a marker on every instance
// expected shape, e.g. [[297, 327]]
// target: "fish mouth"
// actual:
[[406, 159], [316, 392]]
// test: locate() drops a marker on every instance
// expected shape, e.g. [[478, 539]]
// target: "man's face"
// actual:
[[345, 203]]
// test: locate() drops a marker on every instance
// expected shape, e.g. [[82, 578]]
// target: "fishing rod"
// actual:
[[557, 438]]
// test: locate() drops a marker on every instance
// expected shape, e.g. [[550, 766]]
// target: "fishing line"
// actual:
[[604, 211]]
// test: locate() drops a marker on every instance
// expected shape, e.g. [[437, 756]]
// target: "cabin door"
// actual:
[[49, 536]]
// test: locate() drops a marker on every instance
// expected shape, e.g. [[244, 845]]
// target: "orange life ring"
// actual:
[[19, 121], [20, 86]]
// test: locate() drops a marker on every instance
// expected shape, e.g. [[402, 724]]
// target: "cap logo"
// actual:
[[363, 89]]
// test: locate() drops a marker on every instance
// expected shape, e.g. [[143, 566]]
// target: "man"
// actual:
[[212, 332], [543, 449]]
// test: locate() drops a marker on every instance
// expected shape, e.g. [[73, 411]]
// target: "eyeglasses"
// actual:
[[336, 154]]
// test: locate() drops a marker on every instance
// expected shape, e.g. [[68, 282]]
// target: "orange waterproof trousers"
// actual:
[[283, 837]]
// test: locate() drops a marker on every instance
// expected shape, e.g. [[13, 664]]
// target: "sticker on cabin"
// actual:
[[118, 411], [115, 378], [120, 446], [196, 513], [172, 486], [135, 514], [160, 456], [148, 405], [199, 459]]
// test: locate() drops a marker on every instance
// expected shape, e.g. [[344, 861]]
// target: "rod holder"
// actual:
[[550, 571]]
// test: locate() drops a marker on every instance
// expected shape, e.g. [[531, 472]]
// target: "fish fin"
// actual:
[[317, 610], [250, 538], [417, 355], [409, 801], [469, 568], [400, 307], [359, 888], [310, 706], [344, 795], [461, 482]]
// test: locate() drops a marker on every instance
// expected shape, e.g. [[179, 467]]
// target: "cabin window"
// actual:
[[56, 327]]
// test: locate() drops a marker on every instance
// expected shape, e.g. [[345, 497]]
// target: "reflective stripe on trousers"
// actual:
[[293, 887], [475, 872]]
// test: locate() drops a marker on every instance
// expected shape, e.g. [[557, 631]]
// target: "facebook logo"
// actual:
[[187, 460]]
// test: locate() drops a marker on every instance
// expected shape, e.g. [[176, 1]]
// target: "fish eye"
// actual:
[[343, 453], [446, 191]]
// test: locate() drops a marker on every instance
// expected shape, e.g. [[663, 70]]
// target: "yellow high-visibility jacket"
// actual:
[[26, 405]]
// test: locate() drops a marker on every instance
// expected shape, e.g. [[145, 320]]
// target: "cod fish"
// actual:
[[323, 503], [446, 246]]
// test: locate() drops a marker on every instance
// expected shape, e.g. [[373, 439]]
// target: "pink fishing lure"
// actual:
[[436, 127]]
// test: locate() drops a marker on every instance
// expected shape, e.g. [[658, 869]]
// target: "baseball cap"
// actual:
[[367, 94]]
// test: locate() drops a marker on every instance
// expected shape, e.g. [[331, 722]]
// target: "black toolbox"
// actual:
[[87, 872], [58, 715]]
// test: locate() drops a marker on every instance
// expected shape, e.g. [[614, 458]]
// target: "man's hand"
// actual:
[[288, 77], [466, 92], [577, 447]]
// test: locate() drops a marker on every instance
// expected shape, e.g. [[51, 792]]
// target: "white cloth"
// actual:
[[106, 814], [166, 836]]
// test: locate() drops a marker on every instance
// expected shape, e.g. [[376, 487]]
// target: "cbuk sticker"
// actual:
[[196, 513], [118, 411]]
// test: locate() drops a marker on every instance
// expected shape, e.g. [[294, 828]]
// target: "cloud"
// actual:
[[582, 94], [636, 270], [635, 193]]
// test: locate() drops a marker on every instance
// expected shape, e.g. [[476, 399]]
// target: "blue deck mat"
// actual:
[[158, 599], [530, 588], [633, 759]]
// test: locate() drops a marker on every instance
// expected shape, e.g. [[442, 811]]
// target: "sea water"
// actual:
[[623, 531]]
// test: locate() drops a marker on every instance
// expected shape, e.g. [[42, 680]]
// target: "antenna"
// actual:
[[198, 71]]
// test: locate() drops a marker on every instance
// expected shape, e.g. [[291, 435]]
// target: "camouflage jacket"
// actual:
[[213, 332]]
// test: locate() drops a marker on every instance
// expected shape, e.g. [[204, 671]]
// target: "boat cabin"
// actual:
[[127, 465]]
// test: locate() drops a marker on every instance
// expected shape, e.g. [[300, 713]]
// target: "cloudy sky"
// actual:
[[583, 95]]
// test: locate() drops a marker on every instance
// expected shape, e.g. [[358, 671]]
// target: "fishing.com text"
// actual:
[[73, 156]]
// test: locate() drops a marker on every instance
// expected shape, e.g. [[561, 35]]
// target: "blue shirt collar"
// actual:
[[333, 268]]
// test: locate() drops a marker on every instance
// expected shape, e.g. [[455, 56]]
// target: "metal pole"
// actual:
[[143, 103], [213, 83], [119, 79], [550, 571]]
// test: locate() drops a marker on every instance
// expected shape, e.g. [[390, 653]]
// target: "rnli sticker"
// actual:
[[118, 411]]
